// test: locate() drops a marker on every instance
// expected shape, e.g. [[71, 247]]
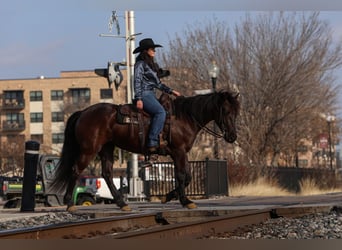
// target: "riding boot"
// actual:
[[162, 143]]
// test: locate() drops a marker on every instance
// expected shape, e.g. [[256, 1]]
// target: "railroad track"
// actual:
[[159, 225]]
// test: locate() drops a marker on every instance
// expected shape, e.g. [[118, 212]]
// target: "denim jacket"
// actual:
[[145, 79]]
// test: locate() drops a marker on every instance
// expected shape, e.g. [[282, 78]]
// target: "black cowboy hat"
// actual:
[[146, 43]]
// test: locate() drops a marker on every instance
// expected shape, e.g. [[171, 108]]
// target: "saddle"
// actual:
[[129, 114]]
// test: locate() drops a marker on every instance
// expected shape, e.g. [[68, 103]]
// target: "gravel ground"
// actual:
[[43, 220], [315, 226]]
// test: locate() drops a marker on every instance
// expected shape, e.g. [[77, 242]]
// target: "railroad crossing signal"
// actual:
[[112, 73]]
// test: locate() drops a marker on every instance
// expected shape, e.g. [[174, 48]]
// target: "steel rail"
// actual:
[[193, 230], [219, 224], [156, 226]]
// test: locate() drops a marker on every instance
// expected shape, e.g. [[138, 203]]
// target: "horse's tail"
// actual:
[[70, 153]]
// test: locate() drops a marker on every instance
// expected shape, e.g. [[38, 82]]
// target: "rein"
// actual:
[[208, 130]]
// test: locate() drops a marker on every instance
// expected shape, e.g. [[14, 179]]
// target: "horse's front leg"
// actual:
[[183, 178]]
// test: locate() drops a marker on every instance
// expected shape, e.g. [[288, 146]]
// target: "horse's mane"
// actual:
[[200, 105]]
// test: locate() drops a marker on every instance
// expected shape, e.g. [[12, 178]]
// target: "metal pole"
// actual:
[[130, 44], [330, 150], [213, 81], [30, 175]]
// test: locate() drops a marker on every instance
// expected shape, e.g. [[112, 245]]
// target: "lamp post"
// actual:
[[330, 119], [213, 73]]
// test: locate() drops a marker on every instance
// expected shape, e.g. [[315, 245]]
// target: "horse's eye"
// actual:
[[225, 112]]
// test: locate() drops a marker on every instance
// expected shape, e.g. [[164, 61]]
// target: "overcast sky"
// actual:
[[41, 37]]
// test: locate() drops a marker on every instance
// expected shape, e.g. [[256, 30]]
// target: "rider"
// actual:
[[146, 79]]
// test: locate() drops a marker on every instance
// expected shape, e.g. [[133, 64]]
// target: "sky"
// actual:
[[44, 37]]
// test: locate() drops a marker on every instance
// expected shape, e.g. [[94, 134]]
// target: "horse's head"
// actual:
[[229, 106]]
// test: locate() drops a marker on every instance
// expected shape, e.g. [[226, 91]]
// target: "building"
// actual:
[[36, 109]]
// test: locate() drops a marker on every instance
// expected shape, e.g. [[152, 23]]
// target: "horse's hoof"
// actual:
[[191, 205], [126, 208], [163, 200], [71, 209]]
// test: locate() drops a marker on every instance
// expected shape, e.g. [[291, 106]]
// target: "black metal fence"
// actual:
[[209, 178], [291, 178]]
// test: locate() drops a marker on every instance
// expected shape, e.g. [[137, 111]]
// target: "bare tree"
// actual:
[[283, 66], [12, 161]]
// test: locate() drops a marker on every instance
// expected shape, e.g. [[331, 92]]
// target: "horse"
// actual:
[[96, 131]]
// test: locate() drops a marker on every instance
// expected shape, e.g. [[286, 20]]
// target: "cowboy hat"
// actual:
[[146, 43]]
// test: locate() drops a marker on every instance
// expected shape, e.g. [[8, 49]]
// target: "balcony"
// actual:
[[13, 125], [13, 104]]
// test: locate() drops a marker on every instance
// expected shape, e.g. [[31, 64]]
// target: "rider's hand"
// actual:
[[175, 93], [140, 104]]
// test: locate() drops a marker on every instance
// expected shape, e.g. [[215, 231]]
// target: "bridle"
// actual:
[[208, 130]]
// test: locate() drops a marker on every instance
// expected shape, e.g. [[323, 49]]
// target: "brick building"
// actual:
[[37, 108]]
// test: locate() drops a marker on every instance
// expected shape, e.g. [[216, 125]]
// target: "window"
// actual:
[[14, 121], [36, 96], [57, 95], [36, 117], [37, 138], [303, 163], [14, 98], [57, 117], [106, 93], [302, 148], [57, 138], [15, 117], [14, 95], [80, 95]]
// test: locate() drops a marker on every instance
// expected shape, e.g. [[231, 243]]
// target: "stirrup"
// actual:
[[149, 159], [163, 144], [152, 150]]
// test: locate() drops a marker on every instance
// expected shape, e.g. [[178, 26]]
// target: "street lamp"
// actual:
[[330, 119], [213, 73]]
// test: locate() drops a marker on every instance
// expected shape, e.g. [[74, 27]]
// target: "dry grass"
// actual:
[[263, 187], [260, 187], [310, 187]]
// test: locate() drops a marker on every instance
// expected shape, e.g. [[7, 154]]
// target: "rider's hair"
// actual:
[[149, 60]]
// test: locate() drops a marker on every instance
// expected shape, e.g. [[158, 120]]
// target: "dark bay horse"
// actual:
[[96, 131]]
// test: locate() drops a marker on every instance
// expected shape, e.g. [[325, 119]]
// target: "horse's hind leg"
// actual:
[[69, 192], [107, 160], [78, 168]]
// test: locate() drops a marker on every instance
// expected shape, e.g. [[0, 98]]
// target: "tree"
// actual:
[[12, 162], [283, 65]]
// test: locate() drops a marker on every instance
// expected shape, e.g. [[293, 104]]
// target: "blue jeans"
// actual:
[[158, 116]]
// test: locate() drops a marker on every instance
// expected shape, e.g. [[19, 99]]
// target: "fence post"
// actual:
[[30, 176]]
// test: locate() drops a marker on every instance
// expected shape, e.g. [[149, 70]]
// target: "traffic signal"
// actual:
[[112, 73]]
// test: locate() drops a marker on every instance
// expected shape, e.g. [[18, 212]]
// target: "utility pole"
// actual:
[[130, 45]]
